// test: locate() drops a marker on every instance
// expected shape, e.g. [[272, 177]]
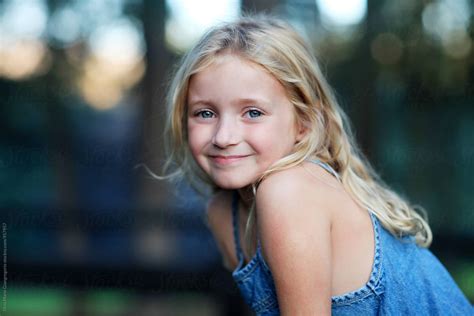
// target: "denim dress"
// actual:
[[405, 280]]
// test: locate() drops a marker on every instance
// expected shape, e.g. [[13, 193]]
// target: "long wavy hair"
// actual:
[[277, 47]]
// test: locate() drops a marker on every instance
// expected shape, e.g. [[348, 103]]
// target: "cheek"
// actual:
[[191, 138], [266, 140], [280, 138], [197, 136]]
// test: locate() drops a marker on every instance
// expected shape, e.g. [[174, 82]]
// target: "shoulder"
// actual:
[[294, 222], [294, 208], [303, 188]]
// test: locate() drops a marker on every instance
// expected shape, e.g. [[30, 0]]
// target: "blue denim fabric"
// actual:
[[405, 280]]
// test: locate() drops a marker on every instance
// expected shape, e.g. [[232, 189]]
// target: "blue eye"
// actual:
[[254, 113], [205, 114]]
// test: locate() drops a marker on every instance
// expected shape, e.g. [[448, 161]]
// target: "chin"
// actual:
[[230, 184]]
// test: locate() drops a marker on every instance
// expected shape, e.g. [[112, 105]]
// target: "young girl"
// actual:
[[302, 221]]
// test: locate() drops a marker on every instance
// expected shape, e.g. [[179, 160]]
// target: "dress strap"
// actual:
[[325, 166], [235, 223]]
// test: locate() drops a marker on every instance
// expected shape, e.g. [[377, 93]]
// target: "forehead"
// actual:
[[233, 76]]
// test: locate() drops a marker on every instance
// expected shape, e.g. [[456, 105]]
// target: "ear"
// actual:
[[301, 132]]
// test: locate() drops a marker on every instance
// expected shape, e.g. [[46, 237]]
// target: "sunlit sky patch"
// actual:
[[187, 20], [342, 12], [24, 18]]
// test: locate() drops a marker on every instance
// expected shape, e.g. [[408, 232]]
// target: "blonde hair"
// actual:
[[274, 45]]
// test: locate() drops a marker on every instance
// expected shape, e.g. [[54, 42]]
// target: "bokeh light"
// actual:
[[24, 58], [65, 25], [22, 52], [386, 48], [447, 23], [119, 41], [115, 63]]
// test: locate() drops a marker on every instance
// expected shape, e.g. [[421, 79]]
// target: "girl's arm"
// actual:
[[218, 221], [294, 226]]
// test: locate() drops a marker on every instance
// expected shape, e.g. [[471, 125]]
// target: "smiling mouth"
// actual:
[[225, 160]]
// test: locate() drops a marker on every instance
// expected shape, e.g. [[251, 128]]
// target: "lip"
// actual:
[[226, 160]]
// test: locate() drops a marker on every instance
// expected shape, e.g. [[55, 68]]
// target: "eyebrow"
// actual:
[[252, 100], [239, 101], [200, 101]]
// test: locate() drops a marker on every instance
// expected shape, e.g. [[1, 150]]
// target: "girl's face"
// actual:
[[240, 121]]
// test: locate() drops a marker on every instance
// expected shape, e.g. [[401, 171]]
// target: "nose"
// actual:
[[226, 133]]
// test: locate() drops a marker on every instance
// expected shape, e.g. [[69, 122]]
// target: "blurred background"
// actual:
[[81, 94]]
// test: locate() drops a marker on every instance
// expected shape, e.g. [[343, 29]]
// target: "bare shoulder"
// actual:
[[291, 203], [303, 187], [294, 222]]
